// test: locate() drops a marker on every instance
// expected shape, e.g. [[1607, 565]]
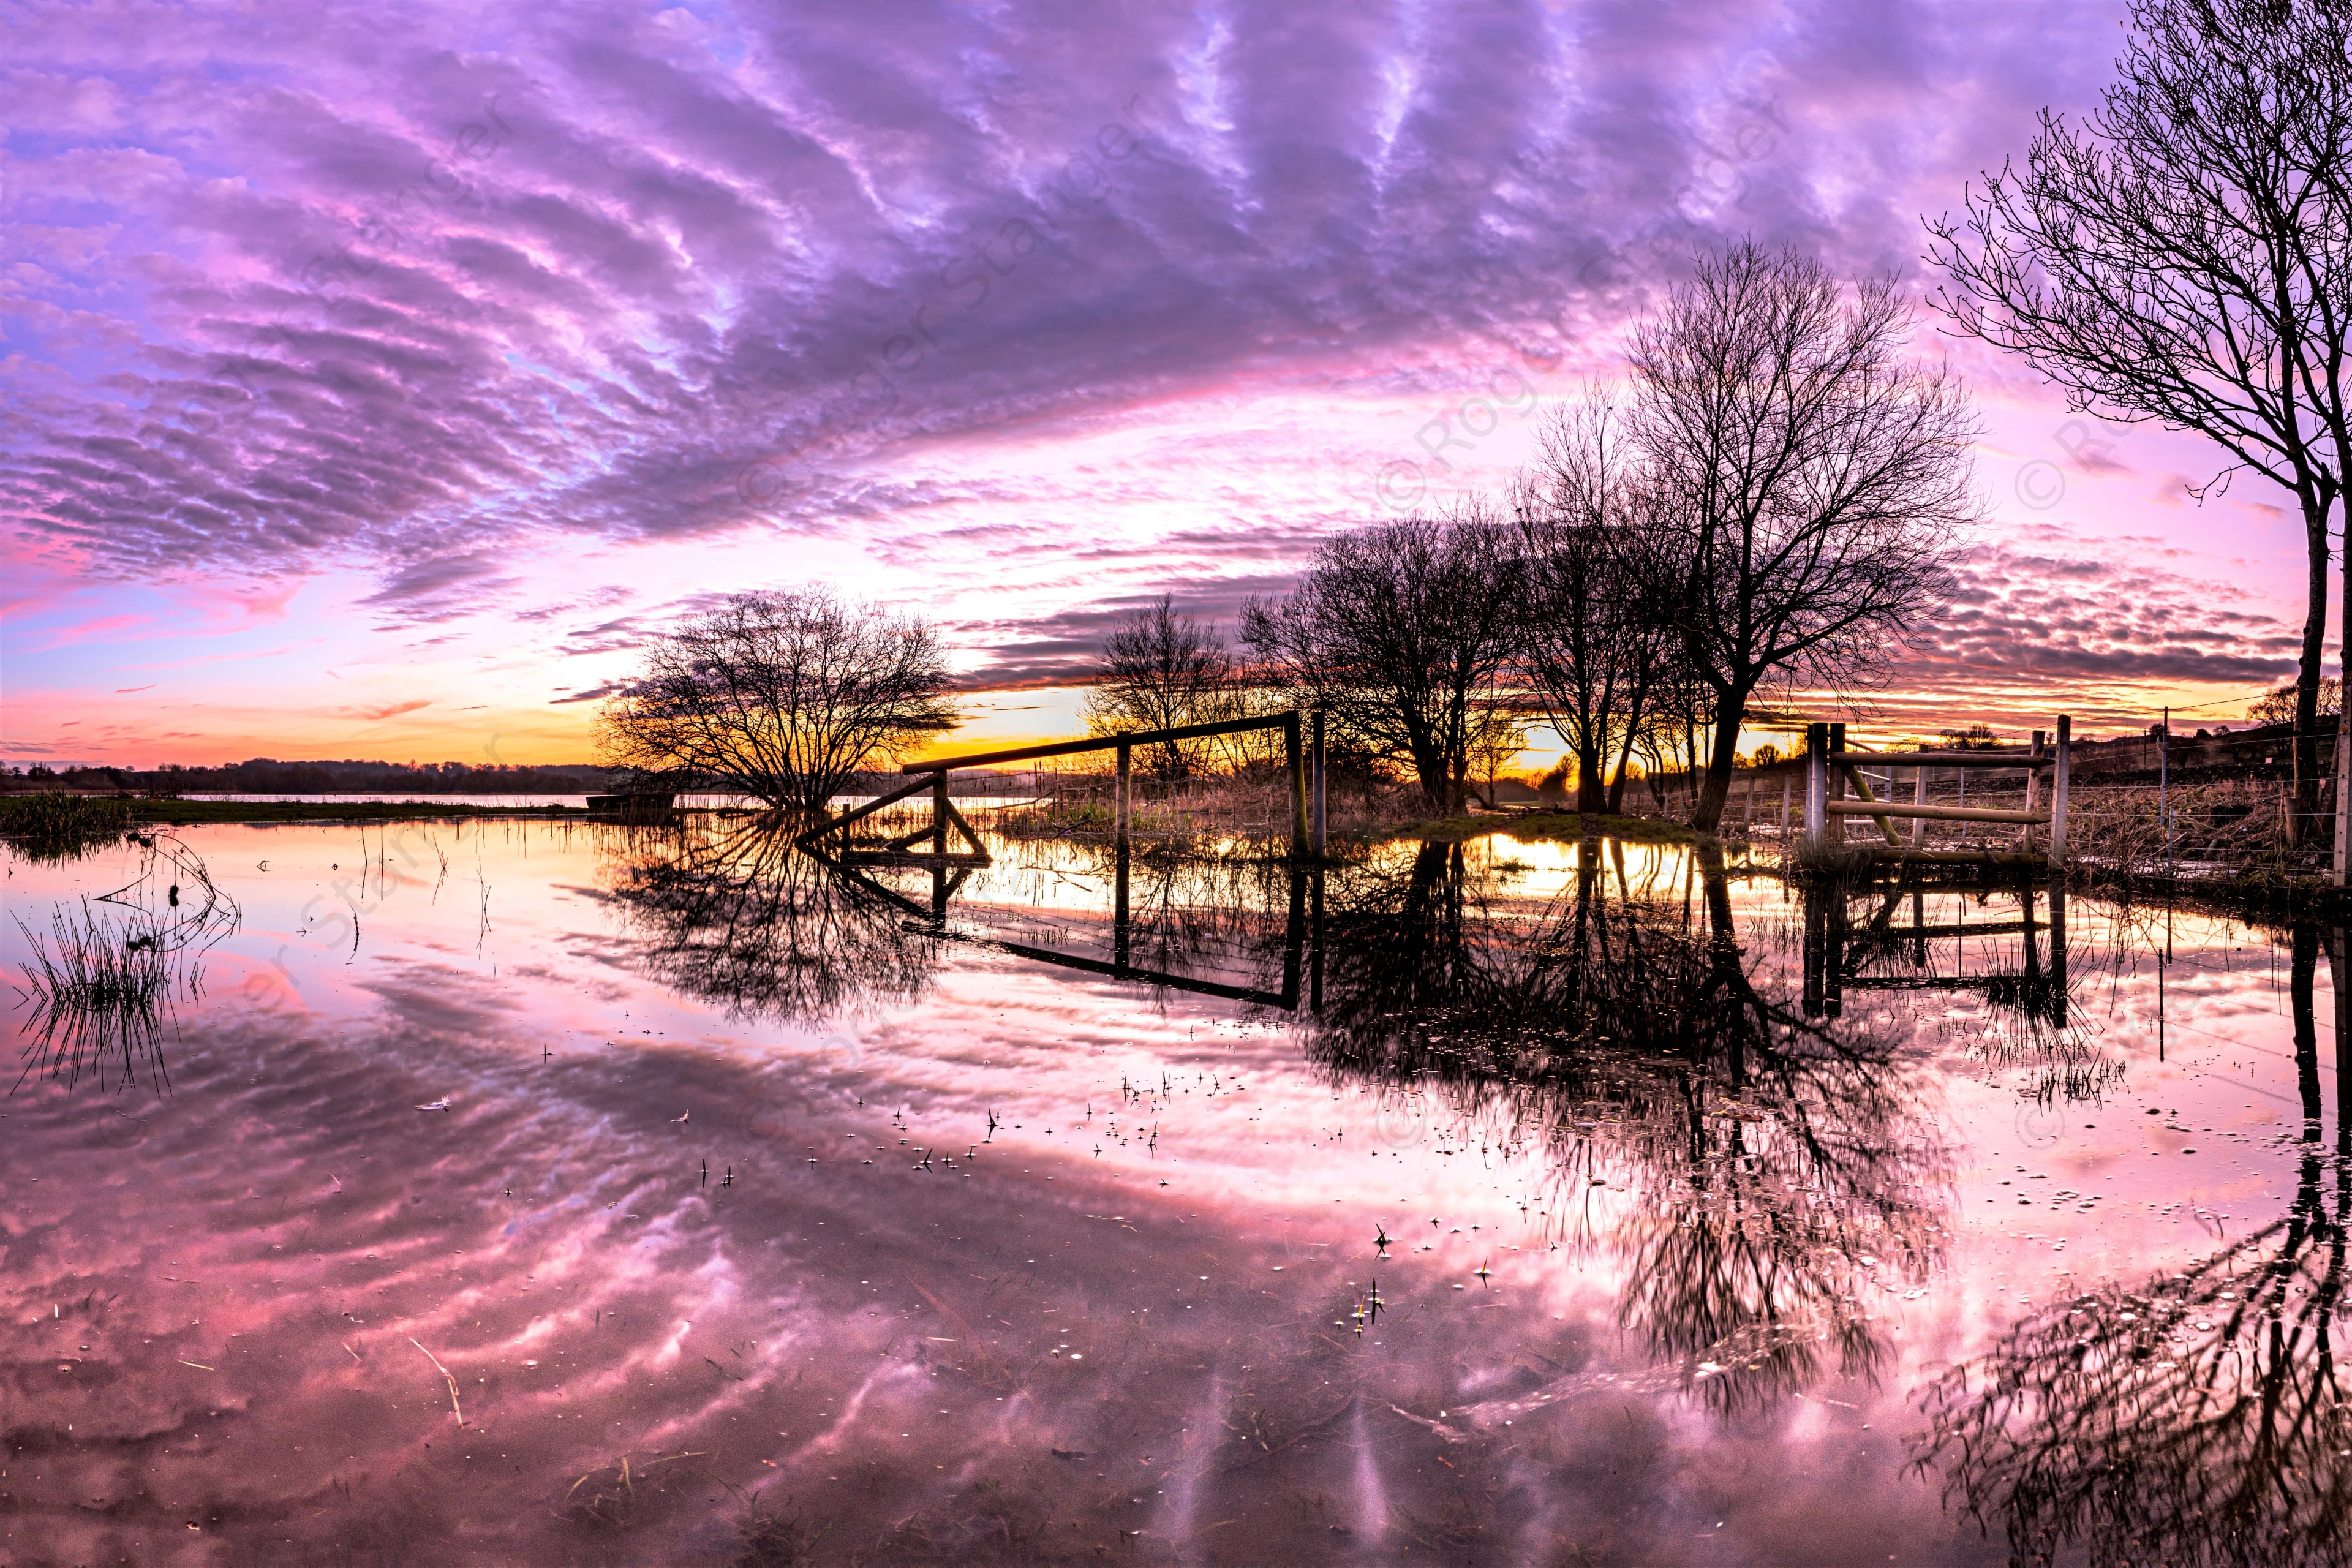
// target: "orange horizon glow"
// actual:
[[516, 735]]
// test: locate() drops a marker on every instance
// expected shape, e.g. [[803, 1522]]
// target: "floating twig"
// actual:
[[446, 1378]]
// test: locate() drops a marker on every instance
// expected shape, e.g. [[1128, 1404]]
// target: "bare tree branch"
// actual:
[[2184, 255], [1810, 482], [780, 696]]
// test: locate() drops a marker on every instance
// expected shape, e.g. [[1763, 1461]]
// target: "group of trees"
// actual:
[[1768, 503], [1768, 507], [264, 775], [1771, 507], [2281, 704]]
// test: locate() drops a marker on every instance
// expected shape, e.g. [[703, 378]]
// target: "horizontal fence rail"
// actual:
[[1104, 744], [1933, 813], [1940, 759], [1304, 767], [1832, 769]]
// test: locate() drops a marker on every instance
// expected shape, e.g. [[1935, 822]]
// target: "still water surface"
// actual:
[[547, 1193]]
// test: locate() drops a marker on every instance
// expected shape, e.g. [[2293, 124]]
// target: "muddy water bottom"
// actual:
[[762, 1218]]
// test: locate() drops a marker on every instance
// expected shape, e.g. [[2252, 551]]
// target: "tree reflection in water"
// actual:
[[2199, 1419], [1172, 912], [1781, 1164], [730, 910]]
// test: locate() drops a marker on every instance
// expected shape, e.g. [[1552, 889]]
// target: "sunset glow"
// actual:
[[375, 386]]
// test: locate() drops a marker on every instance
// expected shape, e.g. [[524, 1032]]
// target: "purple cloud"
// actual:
[[456, 299], [319, 288]]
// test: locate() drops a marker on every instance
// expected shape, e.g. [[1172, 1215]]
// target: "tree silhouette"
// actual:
[[736, 914], [2200, 1419]]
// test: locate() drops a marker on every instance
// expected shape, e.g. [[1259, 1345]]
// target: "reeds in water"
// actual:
[[99, 994], [53, 826]]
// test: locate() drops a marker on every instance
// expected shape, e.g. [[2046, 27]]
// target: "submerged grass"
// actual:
[[98, 994], [614, 1495], [63, 826], [47, 824], [100, 985], [772, 1540]]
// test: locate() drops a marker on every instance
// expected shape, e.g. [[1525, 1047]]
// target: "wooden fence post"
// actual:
[[1294, 754], [1834, 786], [1119, 923], [1322, 822], [939, 812], [2033, 793], [1817, 782], [1918, 798], [2342, 795], [2339, 980], [1785, 780], [1118, 794], [2058, 788], [2058, 952]]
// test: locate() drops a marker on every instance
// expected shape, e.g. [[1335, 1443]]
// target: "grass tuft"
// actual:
[[98, 993]]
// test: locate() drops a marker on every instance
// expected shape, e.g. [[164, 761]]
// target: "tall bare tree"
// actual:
[[780, 696], [2183, 255], [1589, 655], [1162, 670], [1812, 481], [1400, 632]]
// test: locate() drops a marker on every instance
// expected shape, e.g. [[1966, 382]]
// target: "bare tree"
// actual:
[[1589, 656], [1497, 745], [1162, 670], [1812, 483], [1665, 738], [2184, 255], [780, 696], [2279, 706], [1400, 632]]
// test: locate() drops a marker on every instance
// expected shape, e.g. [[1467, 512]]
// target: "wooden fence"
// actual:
[[1304, 765], [1831, 769]]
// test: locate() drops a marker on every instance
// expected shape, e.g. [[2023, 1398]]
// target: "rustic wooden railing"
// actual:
[[1831, 769], [1304, 763]]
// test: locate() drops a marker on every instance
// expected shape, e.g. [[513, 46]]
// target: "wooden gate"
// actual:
[[1304, 765]]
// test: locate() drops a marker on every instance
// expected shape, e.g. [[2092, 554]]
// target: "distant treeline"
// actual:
[[264, 775]]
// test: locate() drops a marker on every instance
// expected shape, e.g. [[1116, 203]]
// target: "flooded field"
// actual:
[[551, 1193]]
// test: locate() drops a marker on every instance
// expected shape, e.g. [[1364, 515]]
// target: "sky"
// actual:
[[374, 380]]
